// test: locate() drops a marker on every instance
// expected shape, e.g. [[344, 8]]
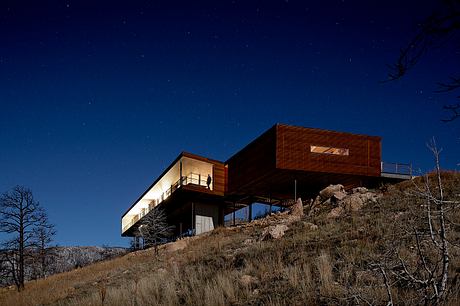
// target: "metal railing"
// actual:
[[191, 178], [396, 168]]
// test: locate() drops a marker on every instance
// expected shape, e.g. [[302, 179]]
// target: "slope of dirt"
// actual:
[[284, 259]]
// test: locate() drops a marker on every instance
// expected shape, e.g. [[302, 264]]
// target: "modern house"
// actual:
[[282, 164]]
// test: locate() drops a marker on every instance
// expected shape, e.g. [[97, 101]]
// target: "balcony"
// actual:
[[396, 170], [195, 179]]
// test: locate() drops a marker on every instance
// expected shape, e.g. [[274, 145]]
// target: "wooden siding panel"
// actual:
[[252, 162], [293, 151], [219, 178]]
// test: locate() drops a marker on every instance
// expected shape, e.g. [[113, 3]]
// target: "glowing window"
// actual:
[[329, 150]]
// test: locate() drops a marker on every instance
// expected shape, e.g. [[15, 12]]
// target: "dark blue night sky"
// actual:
[[97, 98]]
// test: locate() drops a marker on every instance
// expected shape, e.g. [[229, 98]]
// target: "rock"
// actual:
[[274, 232], [338, 196], [310, 226], [336, 212], [357, 200], [248, 241], [289, 220], [360, 190], [297, 208], [317, 201], [370, 196], [329, 191], [353, 202], [248, 280], [327, 203]]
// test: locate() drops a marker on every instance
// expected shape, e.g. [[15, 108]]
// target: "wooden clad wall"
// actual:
[[219, 178], [252, 162], [293, 151]]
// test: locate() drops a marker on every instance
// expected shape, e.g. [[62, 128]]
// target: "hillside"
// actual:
[[332, 254]]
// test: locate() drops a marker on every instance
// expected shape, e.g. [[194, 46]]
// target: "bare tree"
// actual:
[[155, 229], [20, 218], [45, 231], [424, 266], [4, 269], [435, 31]]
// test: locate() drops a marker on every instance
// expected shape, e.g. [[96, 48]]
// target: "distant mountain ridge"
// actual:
[[65, 258], [68, 258]]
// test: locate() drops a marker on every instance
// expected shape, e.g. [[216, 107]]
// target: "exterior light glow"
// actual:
[[329, 150]]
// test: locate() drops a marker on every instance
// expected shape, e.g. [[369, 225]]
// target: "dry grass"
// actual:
[[328, 266]]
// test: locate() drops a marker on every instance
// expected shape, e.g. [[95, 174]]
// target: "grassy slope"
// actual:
[[326, 266]]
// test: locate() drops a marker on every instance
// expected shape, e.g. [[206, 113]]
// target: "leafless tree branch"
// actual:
[[22, 219], [434, 32], [155, 228]]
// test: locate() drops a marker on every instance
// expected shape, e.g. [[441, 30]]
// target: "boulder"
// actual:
[[338, 196], [329, 191], [297, 208], [327, 203], [317, 201], [353, 202], [274, 232], [336, 212], [369, 196], [357, 200], [360, 190], [290, 219]]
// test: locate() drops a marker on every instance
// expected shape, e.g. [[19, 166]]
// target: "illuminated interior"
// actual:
[[329, 150], [191, 170]]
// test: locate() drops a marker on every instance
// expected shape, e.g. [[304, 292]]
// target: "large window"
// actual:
[[329, 150], [186, 171]]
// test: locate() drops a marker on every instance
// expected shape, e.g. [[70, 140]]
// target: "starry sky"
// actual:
[[98, 97]]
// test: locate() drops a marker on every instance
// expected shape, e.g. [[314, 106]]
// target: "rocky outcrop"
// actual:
[[338, 196], [336, 212], [274, 232], [330, 191], [360, 190], [340, 202], [352, 202], [332, 199], [297, 208]]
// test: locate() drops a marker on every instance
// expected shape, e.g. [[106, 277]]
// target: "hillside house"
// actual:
[[283, 163]]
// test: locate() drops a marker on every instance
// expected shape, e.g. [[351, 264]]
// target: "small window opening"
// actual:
[[329, 150]]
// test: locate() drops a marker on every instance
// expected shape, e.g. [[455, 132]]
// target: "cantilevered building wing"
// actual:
[[314, 158], [182, 189]]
